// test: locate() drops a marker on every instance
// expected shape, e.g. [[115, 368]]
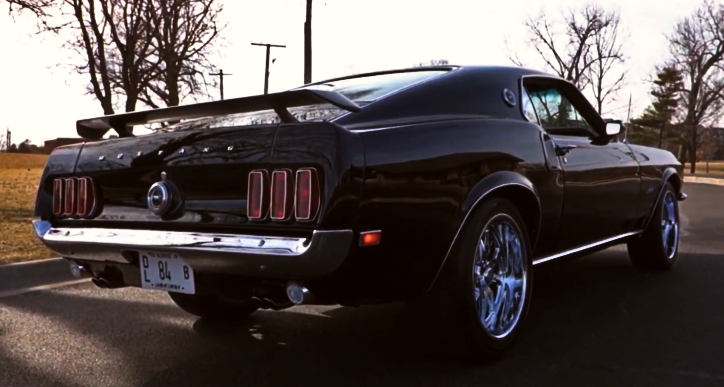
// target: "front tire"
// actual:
[[481, 298], [658, 246], [212, 307]]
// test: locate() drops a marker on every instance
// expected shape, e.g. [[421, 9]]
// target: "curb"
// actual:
[[703, 180], [24, 263], [17, 292]]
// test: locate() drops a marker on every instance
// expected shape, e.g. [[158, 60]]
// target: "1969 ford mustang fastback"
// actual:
[[440, 186]]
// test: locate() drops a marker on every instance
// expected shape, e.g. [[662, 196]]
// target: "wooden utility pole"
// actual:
[[266, 73], [221, 74], [308, 45], [7, 140]]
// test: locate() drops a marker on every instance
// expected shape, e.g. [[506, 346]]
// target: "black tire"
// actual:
[[212, 307], [648, 252], [448, 315]]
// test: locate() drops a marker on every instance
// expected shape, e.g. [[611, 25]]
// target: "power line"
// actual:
[[266, 72], [221, 74]]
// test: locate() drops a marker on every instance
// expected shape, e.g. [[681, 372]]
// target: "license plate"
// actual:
[[167, 272]]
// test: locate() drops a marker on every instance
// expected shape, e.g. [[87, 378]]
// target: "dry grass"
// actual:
[[715, 167], [19, 178]]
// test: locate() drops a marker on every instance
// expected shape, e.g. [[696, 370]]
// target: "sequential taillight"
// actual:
[[58, 197], [307, 196], [281, 194], [257, 204], [86, 197], [74, 197], [69, 197]]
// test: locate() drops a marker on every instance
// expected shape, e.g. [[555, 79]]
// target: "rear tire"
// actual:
[[488, 274], [658, 246], [212, 307]]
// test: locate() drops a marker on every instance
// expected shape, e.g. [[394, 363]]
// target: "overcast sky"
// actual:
[[41, 101]]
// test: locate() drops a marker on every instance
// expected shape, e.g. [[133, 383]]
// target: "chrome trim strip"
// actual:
[[248, 255], [249, 244], [583, 248]]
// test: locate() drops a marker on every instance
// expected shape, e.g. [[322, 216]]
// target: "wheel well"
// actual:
[[675, 180], [527, 204]]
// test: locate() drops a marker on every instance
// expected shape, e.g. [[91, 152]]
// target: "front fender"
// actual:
[[670, 174], [511, 185]]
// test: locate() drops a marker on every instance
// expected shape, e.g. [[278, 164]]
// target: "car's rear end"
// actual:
[[242, 204]]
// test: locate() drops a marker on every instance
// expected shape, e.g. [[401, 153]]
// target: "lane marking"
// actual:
[[17, 292]]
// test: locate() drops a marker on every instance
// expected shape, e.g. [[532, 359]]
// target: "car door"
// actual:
[[601, 176]]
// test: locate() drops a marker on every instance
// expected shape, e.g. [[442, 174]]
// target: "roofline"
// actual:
[[407, 70]]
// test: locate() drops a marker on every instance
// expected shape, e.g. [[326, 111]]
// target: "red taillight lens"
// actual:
[[256, 205], [69, 197], [86, 197], [58, 197], [281, 197], [307, 195]]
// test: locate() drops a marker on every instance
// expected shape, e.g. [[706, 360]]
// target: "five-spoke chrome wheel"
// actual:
[[669, 225], [499, 276]]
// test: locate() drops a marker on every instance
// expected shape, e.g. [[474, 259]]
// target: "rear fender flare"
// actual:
[[504, 183]]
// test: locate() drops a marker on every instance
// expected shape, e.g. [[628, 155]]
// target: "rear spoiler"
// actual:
[[96, 128]]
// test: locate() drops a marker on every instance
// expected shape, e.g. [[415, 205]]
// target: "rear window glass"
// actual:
[[367, 89], [362, 90]]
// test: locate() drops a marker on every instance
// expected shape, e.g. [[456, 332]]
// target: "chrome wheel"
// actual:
[[500, 276], [670, 225]]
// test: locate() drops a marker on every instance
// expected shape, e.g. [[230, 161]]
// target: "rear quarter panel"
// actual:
[[417, 178]]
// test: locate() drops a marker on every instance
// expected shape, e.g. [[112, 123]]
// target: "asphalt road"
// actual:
[[593, 322]]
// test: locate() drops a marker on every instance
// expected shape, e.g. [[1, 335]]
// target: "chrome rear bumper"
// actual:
[[249, 255]]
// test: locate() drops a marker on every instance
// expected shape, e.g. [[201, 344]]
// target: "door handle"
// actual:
[[562, 150]]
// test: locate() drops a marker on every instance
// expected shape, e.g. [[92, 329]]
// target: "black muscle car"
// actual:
[[441, 186]]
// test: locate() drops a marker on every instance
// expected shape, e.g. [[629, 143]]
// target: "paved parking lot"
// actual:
[[594, 322]]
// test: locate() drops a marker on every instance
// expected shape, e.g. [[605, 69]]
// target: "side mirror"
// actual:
[[613, 128]]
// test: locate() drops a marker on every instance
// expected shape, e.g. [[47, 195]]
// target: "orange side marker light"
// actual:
[[370, 238]]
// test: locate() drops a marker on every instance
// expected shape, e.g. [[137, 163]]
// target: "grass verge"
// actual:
[[19, 178]]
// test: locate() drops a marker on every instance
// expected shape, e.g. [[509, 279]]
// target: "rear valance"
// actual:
[[96, 128]]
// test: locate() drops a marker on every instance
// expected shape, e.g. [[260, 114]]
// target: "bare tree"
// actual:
[[130, 32], [583, 47], [185, 33], [697, 47], [90, 42], [38, 7], [605, 56]]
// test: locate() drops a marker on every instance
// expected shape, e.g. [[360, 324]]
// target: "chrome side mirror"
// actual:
[[613, 128]]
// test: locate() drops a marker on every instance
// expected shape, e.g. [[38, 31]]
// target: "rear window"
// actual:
[[367, 89], [362, 90]]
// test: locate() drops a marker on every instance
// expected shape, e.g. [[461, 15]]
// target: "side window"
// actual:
[[528, 108], [556, 113]]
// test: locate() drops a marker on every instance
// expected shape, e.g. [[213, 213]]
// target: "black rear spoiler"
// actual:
[[96, 128]]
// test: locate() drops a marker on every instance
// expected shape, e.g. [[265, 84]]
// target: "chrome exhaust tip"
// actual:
[[78, 271], [298, 294]]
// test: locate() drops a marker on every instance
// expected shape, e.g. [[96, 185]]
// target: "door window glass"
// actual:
[[528, 108], [556, 113]]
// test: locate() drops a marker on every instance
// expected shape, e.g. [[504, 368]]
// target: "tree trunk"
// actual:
[[661, 134], [692, 156]]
